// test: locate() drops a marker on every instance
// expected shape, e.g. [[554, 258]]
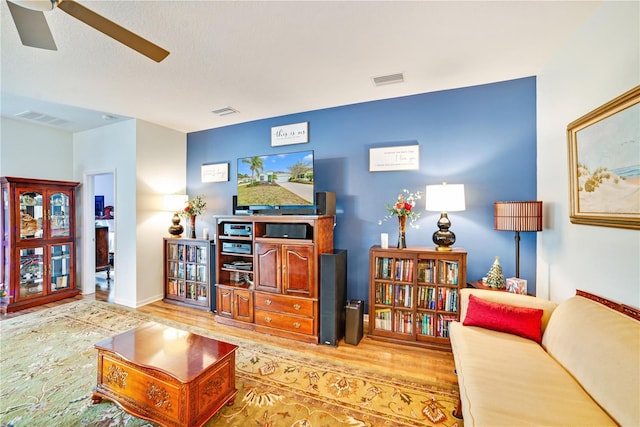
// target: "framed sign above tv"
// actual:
[[297, 133]]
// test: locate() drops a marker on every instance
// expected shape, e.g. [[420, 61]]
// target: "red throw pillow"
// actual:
[[522, 321]]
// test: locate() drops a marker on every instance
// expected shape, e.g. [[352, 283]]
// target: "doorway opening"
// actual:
[[104, 236]]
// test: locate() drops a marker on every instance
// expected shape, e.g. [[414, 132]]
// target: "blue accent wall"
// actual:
[[482, 136]]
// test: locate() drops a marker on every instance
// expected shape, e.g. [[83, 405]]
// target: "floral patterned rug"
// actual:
[[48, 372]]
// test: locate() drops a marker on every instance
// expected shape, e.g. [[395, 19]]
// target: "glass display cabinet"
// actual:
[[38, 240]]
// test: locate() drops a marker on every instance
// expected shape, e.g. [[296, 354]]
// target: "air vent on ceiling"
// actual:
[[41, 118], [225, 111], [388, 79]]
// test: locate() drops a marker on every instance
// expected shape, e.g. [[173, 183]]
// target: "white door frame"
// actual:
[[88, 229]]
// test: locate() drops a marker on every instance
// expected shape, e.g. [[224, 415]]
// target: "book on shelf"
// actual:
[[447, 299], [403, 322], [448, 272], [383, 268], [404, 270], [426, 297], [426, 268], [444, 320], [403, 296], [384, 293], [383, 319], [425, 324]]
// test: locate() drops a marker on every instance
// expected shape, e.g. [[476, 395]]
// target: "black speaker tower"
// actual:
[[333, 296]]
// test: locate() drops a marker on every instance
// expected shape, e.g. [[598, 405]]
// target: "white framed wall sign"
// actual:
[[215, 172], [297, 133], [399, 158]]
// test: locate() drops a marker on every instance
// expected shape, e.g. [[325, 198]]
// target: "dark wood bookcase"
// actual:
[[187, 264], [413, 294]]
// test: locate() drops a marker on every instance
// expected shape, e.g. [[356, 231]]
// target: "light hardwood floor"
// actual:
[[400, 360]]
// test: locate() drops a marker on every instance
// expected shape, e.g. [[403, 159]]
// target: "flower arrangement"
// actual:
[[194, 207], [3, 291], [403, 206]]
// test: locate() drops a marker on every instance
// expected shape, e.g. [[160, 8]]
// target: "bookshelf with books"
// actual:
[[187, 266], [414, 294]]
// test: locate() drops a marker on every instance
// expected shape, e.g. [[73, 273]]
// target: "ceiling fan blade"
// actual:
[[32, 27], [113, 30]]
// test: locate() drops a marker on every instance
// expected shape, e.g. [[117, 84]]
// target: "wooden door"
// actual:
[[268, 274], [224, 302], [298, 270], [243, 305]]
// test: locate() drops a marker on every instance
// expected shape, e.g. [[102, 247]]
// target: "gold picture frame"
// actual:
[[604, 164]]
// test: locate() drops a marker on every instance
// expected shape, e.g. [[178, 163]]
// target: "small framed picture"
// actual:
[[214, 172]]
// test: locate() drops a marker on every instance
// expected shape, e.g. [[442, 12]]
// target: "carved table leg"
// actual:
[[457, 412], [96, 398]]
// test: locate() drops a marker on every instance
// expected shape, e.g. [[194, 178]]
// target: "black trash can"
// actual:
[[353, 322]]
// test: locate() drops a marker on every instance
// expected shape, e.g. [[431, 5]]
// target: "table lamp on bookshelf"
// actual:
[[175, 203], [444, 198], [518, 216]]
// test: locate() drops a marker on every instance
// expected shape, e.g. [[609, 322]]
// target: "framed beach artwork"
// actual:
[[604, 164]]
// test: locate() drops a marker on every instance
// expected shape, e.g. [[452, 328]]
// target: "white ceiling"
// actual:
[[268, 58]]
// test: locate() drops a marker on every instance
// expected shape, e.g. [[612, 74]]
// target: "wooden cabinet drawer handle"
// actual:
[[267, 319], [296, 306], [296, 325], [267, 302]]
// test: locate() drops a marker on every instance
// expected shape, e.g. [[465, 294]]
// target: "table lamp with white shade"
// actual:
[[444, 198]]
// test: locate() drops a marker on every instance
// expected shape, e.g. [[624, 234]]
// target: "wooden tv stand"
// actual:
[[166, 375], [268, 272]]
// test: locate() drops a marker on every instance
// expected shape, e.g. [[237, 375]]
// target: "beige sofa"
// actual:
[[585, 372]]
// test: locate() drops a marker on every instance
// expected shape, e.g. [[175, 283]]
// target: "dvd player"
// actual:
[[237, 229], [236, 248], [239, 265]]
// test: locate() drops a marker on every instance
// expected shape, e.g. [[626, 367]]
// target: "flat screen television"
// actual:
[[277, 183]]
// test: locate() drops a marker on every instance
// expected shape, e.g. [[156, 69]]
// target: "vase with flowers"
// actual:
[[403, 209], [193, 208]]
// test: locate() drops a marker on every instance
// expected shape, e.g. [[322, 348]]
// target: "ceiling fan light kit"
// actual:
[[34, 31]]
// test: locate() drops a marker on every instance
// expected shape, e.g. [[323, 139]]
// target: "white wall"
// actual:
[[599, 63], [109, 149], [148, 161], [34, 151], [161, 163]]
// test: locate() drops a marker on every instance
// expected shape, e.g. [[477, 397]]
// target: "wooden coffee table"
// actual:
[[166, 375]]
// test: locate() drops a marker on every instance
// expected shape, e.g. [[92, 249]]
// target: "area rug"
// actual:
[[48, 371]]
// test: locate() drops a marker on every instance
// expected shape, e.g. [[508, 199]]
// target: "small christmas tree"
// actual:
[[495, 278]]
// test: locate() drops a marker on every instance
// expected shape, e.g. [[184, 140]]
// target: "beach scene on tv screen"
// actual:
[[276, 180]]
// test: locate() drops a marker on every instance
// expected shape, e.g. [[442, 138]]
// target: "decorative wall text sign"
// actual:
[[399, 158], [216, 172], [297, 133]]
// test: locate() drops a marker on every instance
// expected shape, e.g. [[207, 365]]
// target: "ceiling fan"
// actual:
[[28, 15]]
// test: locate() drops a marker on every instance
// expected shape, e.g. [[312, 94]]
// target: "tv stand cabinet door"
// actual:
[[268, 271], [298, 270], [224, 302]]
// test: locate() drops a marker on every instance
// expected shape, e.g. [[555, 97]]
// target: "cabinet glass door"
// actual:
[[60, 267], [30, 214], [5, 215], [31, 272], [59, 215]]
